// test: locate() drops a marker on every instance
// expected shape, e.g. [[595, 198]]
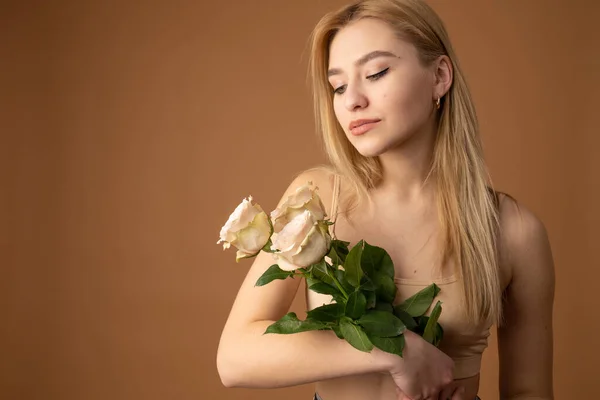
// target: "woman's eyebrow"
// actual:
[[363, 60]]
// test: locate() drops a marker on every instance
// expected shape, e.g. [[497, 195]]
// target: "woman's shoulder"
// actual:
[[522, 233], [322, 177], [517, 222]]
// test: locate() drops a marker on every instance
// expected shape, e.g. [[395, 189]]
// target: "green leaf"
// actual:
[[439, 334], [324, 288], [326, 313], [393, 345], [418, 304], [338, 331], [352, 266], [341, 244], [338, 252], [368, 284], [341, 249], [339, 298], [371, 299], [336, 259], [356, 305], [421, 324], [386, 287], [355, 335], [370, 259], [311, 281], [375, 259], [320, 272], [384, 306], [381, 324], [340, 275], [429, 333], [406, 318], [290, 323], [274, 272]]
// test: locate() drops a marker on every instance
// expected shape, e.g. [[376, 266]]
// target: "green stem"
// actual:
[[337, 283]]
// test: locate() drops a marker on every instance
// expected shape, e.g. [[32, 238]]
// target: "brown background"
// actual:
[[131, 130]]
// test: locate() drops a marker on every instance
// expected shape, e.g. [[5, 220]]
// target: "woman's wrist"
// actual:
[[383, 360], [388, 362]]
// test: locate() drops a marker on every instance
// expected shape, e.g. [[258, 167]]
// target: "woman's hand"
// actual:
[[423, 372], [459, 393]]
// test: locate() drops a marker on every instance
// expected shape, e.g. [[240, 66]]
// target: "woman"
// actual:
[[407, 174]]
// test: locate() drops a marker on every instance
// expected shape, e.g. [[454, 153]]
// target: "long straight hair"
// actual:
[[467, 206]]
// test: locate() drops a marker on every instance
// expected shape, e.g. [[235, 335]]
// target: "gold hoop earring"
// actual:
[[437, 103]]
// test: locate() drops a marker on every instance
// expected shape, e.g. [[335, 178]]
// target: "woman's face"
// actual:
[[382, 94]]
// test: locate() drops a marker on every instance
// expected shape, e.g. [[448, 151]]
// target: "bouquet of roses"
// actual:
[[359, 279]]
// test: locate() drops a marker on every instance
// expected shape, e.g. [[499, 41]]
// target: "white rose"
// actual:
[[305, 198], [302, 242], [248, 229]]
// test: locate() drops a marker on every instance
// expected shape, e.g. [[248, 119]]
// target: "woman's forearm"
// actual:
[[249, 358]]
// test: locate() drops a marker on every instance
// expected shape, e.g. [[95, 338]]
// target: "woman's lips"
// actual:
[[361, 127]]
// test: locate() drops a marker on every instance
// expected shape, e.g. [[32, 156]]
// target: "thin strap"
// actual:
[[334, 201]]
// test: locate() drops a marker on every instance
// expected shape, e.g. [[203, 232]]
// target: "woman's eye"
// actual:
[[374, 77], [340, 89], [378, 75]]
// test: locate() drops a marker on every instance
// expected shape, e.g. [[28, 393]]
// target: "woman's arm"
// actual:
[[247, 357], [525, 339]]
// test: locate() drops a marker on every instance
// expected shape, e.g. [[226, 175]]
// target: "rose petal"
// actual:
[[313, 248], [316, 208], [242, 254], [239, 218], [247, 214], [253, 238], [285, 218], [285, 264], [293, 233], [301, 197]]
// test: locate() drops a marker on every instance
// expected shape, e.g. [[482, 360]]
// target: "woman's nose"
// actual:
[[354, 98]]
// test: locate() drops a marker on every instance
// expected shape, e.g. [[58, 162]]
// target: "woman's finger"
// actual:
[[447, 393], [459, 393], [400, 395]]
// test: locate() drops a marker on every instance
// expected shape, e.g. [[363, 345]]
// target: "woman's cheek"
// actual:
[[339, 115]]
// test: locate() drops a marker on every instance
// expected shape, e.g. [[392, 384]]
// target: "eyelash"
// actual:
[[373, 77]]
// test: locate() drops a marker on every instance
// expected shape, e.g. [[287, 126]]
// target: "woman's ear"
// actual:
[[443, 75]]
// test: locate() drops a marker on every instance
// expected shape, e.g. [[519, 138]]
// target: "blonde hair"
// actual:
[[467, 206]]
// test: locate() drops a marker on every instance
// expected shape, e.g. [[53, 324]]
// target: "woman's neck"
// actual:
[[407, 166]]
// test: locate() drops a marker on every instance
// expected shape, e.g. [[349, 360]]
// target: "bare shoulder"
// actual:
[[322, 177], [519, 226], [525, 336], [271, 302], [524, 243]]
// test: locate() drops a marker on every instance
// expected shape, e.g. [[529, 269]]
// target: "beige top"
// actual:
[[462, 341]]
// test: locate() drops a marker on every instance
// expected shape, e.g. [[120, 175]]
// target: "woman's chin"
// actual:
[[371, 151], [370, 154], [378, 148], [375, 146]]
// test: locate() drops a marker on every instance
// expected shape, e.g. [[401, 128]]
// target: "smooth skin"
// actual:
[[375, 75]]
